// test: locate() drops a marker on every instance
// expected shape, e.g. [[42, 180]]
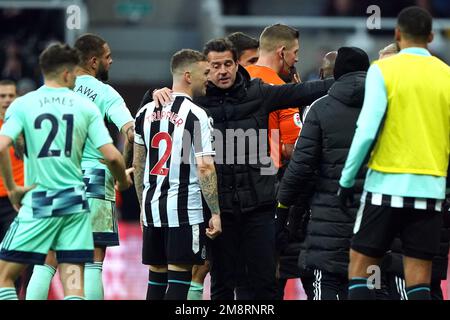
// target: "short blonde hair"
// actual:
[[184, 58], [277, 35]]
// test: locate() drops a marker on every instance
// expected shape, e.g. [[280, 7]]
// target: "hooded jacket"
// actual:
[[312, 176]]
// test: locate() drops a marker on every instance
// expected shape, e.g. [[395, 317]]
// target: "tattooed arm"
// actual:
[[139, 158], [128, 134], [208, 183]]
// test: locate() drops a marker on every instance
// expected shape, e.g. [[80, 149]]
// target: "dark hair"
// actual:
[[185, 58], [89, 45], [415, 23], [350, 59], [220, 45], [242, 42], [57, 56], [274, 35], [7, 82]]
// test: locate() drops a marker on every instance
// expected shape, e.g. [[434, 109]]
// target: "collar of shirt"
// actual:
[[45, 87], [181, 94], [416, 50]]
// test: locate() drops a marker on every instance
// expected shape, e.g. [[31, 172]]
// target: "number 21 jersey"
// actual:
[[56, 122]]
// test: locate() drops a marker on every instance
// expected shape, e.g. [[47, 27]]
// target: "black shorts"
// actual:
[[377, 226], [175, 245]]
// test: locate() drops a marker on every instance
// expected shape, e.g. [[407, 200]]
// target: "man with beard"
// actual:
[[170, 188], [93, 70], [53, 209], [240, 107]]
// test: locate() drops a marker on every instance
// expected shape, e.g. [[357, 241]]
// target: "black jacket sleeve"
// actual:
[[298, 94], [146, 98], [298, 180]]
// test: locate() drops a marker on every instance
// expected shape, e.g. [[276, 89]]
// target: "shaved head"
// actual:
[[388, 51], [327, 67]]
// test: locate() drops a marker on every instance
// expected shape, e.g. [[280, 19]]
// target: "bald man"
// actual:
[[326, 71], [327, 67], [388, 51]]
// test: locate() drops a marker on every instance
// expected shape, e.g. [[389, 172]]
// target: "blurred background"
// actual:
[[143, 35]]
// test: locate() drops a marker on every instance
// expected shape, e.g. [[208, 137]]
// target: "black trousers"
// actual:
[[251, 236], [329, 286], [7, 215]]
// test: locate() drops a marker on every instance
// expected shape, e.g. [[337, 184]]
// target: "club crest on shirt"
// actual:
[[203, 254], [297, 120], [211, 123]]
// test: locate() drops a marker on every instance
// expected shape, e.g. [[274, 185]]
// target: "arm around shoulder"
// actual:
[[288, 95]]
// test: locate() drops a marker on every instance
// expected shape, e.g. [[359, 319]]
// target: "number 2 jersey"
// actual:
[[173, 137], [112, 107], [56, 123]]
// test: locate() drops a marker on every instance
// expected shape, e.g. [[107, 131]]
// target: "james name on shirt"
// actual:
[[59, 100]]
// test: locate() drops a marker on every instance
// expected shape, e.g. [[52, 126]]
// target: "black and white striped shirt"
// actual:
[[378, 199], [173, 136]]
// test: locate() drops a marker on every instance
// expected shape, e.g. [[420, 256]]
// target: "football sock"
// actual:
[[179, 283], [157, 285], [8, 294], [74, 298], [93, 282], [195, 291], [419, 292], [39, 284], [358, 289]]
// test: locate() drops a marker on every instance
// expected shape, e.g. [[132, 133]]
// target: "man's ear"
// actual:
[[65, 75], [93, 62], [280, 52], [187, 77], [430, 37], [398, 35]]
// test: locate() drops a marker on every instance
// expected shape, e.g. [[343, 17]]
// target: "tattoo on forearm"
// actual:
[[139, 163], [128, 154], [208, 184], [130, 134]]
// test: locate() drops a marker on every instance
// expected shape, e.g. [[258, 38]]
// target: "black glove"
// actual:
[[281, 232], [445, 206], [346, 196], [295, 225], [281, 220]]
